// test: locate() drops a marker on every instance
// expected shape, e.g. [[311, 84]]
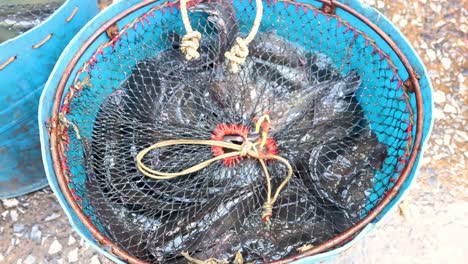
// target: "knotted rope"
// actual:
[[191, 40], [249, 149], [238, 53]]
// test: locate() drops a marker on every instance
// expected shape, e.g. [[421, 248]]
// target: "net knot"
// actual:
[[246, 148], [238, 54], [190, 44], [267, 212]]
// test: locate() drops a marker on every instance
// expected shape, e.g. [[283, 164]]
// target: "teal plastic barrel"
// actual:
[[25, 64], [397, 102]]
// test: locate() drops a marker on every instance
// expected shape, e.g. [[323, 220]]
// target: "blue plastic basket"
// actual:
[[366, 27], [26, 62]]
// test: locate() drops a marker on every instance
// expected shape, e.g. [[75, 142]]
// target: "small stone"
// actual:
[[466, 154], [14, 215], [380, 4], [446, 140], [95, 260], [55, 247], [71, 240], [73, 255], [86, 246], [446, 63], [450, 109], [30, 260], [2, 258], [462, 135], [439, 97], [431, 55], [438, 113], [4, 214], [433, 181], [9, 203], [19, 261], [51, 217], [36, 234], [43, 240], [17, 228]]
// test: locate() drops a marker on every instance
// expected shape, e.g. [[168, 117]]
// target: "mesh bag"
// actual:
[[17, 17], [177, 151]]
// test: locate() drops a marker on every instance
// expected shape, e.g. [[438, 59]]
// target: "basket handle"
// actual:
[[238, 53]]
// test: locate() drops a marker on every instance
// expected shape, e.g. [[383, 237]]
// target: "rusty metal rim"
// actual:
[[318, 249]]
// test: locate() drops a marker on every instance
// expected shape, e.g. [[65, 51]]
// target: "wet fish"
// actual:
[[319, 68], [342, 172], [295, 221], [200, 231], [222, 16], [173, 82], [271, 47], [324, 112]]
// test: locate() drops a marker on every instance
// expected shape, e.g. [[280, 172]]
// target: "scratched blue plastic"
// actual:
[[21, 84], [77, 169]]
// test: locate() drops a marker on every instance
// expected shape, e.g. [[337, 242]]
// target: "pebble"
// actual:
[[52, 217], [462, 134], [19, 261], [380, 4], [14, 215], [4, 214], [73, 255], [9, 203], [36, 234], [446, 63], [30, 260], [43, 240], [71, 240], [439, 97], [450, 109], [438, 113], [431, 55], [2, 257], [446, 140], [55, 247], [18, 228], [95, 260]]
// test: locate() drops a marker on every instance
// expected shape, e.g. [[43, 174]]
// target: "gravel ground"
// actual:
[[432, 228]]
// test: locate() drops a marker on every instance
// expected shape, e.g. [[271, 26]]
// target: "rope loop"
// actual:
[[246, 149], [238, 53]]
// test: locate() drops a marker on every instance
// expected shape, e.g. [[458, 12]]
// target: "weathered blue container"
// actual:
[[26, 62], [389, 43]]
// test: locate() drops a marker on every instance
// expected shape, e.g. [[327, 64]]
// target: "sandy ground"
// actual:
[[432, 229]]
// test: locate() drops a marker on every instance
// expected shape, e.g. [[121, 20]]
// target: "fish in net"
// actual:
[[18, 17], [295, 102]]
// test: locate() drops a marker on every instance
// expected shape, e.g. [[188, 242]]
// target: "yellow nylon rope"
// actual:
[[246, 149]]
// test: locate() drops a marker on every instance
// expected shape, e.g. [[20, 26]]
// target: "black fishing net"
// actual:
[[317, 123], [17, 17]]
